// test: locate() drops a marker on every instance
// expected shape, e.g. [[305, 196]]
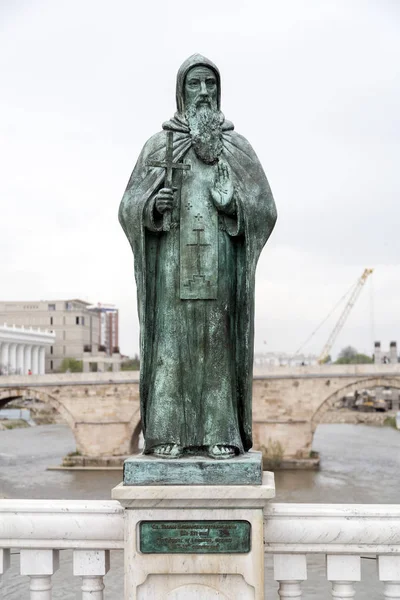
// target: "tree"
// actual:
[[132, 364], [350, 356], [72, 365], [347, 353]]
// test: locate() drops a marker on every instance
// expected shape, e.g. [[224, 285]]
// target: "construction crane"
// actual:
[[342, 319]]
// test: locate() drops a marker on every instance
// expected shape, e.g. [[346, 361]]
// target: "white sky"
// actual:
[[314, 86]]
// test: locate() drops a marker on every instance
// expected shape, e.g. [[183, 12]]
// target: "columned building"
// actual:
[[23, 350]]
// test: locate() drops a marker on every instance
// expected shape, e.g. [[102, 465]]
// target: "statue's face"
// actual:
[[200, 87]]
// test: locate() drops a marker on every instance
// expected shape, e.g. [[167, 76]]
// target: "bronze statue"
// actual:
[[197, 212]]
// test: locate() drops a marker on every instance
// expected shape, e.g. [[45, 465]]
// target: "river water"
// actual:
[[359, 464]]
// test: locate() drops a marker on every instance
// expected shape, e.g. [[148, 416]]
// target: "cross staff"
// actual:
[[168, 164]]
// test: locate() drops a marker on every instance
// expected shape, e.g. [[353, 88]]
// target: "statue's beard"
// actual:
[[205, 129]]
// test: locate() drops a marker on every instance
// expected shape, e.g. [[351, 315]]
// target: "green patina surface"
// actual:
[[142, 469], [197, 212], [194, 537]]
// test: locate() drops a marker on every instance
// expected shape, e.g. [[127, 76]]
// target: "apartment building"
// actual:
[[108, 324]]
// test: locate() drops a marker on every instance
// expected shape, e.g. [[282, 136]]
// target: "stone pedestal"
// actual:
[[194, 542]]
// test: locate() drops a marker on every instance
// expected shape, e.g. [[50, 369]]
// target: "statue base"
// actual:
[[192, 542], [147, 469]]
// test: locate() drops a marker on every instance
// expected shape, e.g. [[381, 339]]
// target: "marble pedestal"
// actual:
[[237, 575]]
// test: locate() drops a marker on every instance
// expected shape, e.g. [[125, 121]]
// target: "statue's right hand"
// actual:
[[164, 200]]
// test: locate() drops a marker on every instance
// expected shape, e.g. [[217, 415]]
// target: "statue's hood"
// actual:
[[196, 60]]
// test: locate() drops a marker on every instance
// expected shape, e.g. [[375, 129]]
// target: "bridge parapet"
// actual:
[[327, 371], [270, 372], [59, 379]]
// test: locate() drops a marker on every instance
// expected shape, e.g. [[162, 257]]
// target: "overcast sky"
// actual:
[[315, 88]]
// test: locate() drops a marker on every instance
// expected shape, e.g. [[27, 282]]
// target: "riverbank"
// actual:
[[353, 417], [32, 412], [12, 424]]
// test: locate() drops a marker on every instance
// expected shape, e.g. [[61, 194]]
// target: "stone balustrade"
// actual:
[[39, 529], [342, 533]]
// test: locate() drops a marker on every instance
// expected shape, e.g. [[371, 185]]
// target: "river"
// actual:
[[359, 464]]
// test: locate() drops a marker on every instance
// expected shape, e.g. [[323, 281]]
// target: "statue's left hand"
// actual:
[[222, 192]]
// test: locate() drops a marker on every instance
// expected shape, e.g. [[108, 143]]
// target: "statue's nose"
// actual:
[[203, 89]]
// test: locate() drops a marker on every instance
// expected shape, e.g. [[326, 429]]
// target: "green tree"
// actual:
[[362, 359], [347, 353], [72, 365], [132, 364], [350, 356]]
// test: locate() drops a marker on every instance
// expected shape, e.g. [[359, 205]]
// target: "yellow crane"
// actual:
[[346, 311]]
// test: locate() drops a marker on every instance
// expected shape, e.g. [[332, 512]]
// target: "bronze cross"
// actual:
[[198, 245], [168, 164]]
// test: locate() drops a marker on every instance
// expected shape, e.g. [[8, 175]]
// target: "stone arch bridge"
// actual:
[[102, 409]]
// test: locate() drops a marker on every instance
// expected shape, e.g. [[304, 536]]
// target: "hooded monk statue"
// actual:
[[197, 212]]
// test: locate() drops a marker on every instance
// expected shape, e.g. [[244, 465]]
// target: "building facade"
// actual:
[[76, 324], [108, 326], [23, 351], [278, 359]]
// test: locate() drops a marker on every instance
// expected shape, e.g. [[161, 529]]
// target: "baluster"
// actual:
[[342, 570], [4, 560], [39, 565], [92, 565], [389, 572], [290, 570]]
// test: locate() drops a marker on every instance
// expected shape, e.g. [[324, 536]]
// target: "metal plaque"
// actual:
[[194, 537]]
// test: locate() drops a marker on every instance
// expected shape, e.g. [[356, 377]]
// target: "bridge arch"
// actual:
[[8, 394], [354, 386]]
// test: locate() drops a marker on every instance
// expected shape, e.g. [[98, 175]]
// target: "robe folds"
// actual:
[[249, 229]]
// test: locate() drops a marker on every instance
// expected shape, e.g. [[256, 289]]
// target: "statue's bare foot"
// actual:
[[220, 451], [167, 451]]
